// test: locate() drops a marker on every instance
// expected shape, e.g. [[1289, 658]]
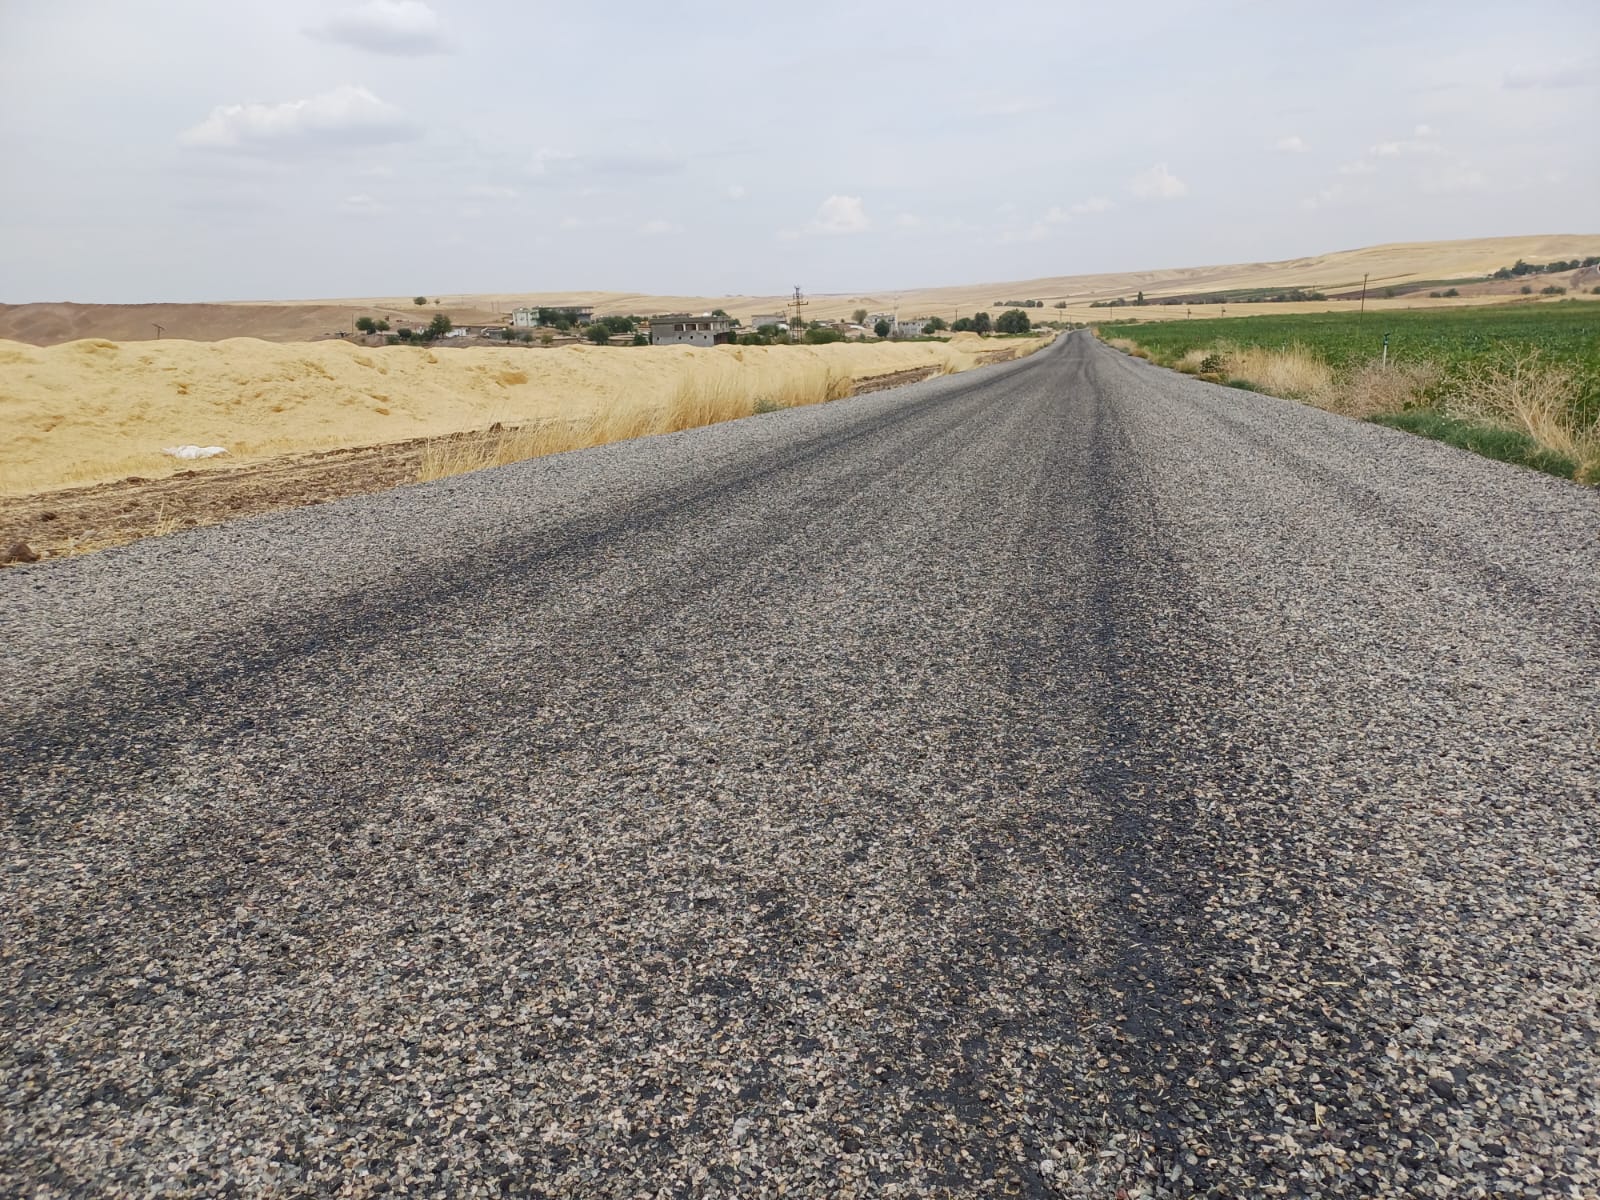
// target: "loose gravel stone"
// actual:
[[1067, 779]]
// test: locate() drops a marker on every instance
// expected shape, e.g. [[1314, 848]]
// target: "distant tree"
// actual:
[[383, 325], [366, 325], [545, 339], [1552, 290], [981, 323], [1013, 320], [1525, 290], [881, 327], [439, 326], [405, 334], [767, 331], [720, 312], [821, 337], [935, 324], [1140, 299], [1449, 292], [859, 317], [641, 339], [1063, 303], [598, 333], [961, 325], [419, 301]]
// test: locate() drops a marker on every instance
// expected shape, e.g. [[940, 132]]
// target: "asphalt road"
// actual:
[[1058, 779]]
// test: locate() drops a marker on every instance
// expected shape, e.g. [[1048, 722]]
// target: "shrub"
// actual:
[[419, 301], [859, 317], [1013, 320], [821, 337], [641, 339], [366, 325], [439, 326], [981, 323], [545, 339], [1552, 290], [1525, 290], [598, 333], [1449, 292], [882, 328]]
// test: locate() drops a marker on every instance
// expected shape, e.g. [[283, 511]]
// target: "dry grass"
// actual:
[[1293, 371], [1537, 397], [1374, 389], [723, 392], [95, 412]]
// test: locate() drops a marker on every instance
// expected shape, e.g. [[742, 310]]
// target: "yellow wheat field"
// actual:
[[94, 411]]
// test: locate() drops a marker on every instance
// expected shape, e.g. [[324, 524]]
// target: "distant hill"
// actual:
[[1396, 267]]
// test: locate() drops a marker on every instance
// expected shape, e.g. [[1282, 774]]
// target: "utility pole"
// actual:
[[158, 331], [1363, 311], [799, 302]]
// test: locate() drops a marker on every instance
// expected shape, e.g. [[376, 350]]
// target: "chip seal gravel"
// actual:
[[1066, 779]]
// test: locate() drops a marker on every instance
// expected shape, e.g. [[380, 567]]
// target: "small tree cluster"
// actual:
[[368, 325], [1013, 320]]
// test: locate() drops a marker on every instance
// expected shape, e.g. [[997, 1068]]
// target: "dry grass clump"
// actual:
[[1373, 389], [1293, 372], [1537, 397], [724, 392]]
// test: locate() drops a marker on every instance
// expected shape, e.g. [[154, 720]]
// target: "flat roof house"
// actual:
[[760, 319], [546, 314], [683, 329]]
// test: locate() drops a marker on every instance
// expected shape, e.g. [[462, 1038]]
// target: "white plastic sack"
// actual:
[[194, 451]]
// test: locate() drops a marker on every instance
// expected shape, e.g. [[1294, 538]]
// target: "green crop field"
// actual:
[[1458, 339], [1519, 382]]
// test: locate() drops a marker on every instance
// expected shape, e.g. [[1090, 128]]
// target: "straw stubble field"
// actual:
[[86, 468]]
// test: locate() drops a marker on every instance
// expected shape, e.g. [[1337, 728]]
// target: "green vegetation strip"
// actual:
[[1491, 441], [1462, 343]]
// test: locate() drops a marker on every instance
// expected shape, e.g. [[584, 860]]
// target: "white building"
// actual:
[[781, 320], [683, 329], [528, 318], [908, 327]]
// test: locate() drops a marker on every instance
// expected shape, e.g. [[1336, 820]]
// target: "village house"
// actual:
[[910, 327], [781, 320], [532, 318], [684, 329]]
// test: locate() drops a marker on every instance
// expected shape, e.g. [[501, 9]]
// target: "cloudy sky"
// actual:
[[194, 150]]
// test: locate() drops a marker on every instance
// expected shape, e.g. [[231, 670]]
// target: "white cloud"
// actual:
[[840, 214], [1293, 144], [736, 191], [1157, 183], [1573, 73], [1423, 131], [658, 227], [492, 191], [1452, 179], [552, 165], [1397, 148], [347, 115], [1360, 167], [386, 27], [361, 204]]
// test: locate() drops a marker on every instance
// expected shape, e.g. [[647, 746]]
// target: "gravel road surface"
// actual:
[[1062, 779]]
